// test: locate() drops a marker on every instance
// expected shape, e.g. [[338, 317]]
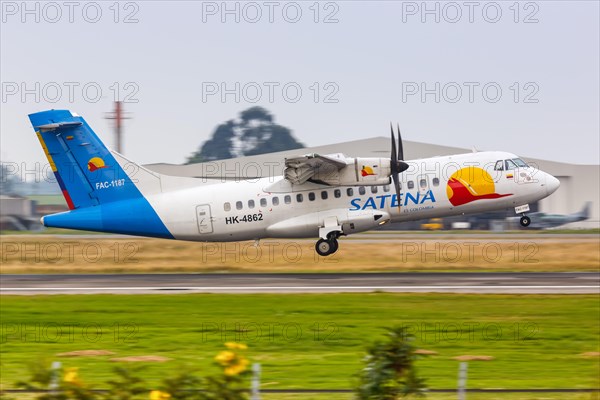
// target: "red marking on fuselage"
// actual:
[[461, 195]]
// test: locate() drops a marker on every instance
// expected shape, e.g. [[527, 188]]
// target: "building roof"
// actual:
[[272, 164]]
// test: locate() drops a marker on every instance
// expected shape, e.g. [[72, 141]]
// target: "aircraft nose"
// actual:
[[552, 184]]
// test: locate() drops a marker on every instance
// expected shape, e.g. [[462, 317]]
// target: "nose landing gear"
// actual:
[[525, 221]]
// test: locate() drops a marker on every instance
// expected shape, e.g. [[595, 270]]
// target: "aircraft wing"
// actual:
[[314, 167]]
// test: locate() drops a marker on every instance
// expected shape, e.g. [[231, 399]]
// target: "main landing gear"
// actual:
[[329, 234], [326, 247]]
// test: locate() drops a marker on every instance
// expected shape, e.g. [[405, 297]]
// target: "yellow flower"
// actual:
[[235, 346], [158, 395], [239, 367], [225, 357], [71, 376]]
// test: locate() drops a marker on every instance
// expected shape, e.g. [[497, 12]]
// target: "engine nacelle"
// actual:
[[358, 171]]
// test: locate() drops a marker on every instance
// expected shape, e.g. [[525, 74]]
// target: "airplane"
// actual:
[[319, 196], [543, 220]]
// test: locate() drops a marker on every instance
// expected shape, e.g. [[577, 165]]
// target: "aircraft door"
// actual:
[[204, 219]]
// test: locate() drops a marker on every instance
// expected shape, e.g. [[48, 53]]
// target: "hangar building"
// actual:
[[578, 183]]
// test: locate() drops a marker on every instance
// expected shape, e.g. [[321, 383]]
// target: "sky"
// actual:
[[514, 76]]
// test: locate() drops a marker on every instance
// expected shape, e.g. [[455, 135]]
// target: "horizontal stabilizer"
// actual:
[[54, 126]]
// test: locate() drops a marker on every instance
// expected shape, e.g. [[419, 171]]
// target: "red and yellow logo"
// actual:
[[96, 163], [470, 184], [366, 171]]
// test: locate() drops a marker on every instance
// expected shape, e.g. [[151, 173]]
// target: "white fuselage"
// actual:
[[274, 208]]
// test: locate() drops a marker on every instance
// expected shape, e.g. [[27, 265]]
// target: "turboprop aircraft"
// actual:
[[320, 196], [546, 221]]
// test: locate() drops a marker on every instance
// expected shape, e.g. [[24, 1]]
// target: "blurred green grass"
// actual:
[[311, 340], [430, 396], [444, 396]]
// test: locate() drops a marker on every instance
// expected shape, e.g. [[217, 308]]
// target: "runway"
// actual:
[[510, 282], [377, 237]]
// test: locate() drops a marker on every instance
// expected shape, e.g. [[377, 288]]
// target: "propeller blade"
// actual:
[[396, 163], [396, 180], [400, 147], [394, 155]]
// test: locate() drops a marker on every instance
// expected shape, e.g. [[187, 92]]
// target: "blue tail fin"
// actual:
[[96, 187], [85, 169]]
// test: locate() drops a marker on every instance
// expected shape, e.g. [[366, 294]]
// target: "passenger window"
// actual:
[[250, 203], [386, 188], [510, 165], [238, 205], [324, 195], [227, 207], [299, 198], [337, 193], [311, 196], [276, 200], [411, 184], [499, 166], [263, 202], [436, 181], [423, 183], [350, 192], [361, 190], [287, 199], [373, 189]]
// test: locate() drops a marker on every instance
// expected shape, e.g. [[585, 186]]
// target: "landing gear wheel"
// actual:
[[326, 247], [334, 245], [525, 221], [323, 247]]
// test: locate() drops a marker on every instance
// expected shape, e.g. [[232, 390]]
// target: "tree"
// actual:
[[389, 371], [255, 113], [255, 132]]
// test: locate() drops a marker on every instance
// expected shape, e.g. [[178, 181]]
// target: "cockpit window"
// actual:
[[515, 163], [510, 164], [499, 165], [520, 163]]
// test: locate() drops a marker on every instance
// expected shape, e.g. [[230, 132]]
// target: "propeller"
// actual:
[[397, 164]]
